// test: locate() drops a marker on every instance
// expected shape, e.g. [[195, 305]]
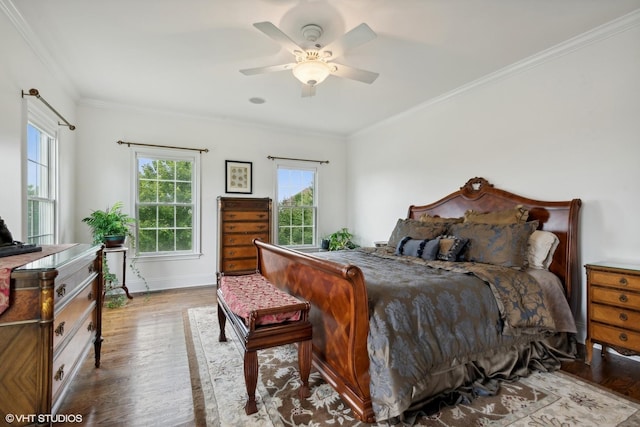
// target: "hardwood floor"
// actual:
[[144, 377]]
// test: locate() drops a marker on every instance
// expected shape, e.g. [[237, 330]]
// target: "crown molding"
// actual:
[[595, 35], [40, 51]]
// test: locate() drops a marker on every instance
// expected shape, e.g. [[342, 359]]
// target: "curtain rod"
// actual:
[[129, 144], [36, 93], [299, 160]]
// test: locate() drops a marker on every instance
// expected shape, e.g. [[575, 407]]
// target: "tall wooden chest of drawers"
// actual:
[[613, 308], [53, 319], [240, 220]]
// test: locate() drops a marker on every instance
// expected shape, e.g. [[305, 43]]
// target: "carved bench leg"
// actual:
[[251, 380], [222, 321], [304, 363]]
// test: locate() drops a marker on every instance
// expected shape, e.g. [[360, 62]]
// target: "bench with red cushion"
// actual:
[[263, 316]]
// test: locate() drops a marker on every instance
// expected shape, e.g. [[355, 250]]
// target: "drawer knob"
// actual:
[[90, 296], [623, 281], [59, 374], [60, 329], [623, 337], [623, 317], [232, 252], [90, 327], [231, 215], [623, 298], [231, 227], [62, 289]]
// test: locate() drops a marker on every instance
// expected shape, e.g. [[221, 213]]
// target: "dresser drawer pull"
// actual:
[[90, 327], [60, 329], [232, 252], [232, 240], [623, 298], [231, 215], [90, 296], [623, 317], [91, 268], [62, 289], [231, 227], [231, 265], [623, 281], [60, 374], [623, 337], [262, 227], [262, 215]]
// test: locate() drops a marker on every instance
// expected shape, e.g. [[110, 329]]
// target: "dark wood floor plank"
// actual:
[[144, 378]]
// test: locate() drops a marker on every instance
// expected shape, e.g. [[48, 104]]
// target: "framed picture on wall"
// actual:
[[239, 177]]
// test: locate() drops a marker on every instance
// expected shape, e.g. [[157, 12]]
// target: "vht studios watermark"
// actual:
[[43, 418]]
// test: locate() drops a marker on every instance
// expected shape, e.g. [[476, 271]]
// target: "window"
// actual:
[[167, 203], [297, 206], [42, 179]]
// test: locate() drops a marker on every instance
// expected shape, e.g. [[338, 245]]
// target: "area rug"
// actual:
[[540, 400]]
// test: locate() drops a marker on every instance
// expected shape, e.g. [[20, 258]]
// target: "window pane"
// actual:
[[41, 203], [296, 206], [165, 204]]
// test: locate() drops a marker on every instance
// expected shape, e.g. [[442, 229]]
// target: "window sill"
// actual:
[[167, 257]]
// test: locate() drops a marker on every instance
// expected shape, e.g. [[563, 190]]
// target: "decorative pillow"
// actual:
[[498, 244], [414, 229], [542, 246], [517, 215], [439, 220], [425, 249], [450, 248]]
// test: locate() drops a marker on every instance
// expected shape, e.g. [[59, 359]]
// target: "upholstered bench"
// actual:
[[263, 316]]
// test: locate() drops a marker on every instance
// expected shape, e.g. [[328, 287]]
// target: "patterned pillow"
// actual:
[[517, 215], [414, 229], [425, 249], [450, 248], [498, 244], [439, 220]]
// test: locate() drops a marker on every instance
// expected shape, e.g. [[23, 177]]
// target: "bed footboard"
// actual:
[[339, 315]]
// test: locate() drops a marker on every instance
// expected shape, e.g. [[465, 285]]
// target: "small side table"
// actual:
[[124, 250]]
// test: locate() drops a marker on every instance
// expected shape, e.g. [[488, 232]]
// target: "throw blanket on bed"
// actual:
[[427, 317]]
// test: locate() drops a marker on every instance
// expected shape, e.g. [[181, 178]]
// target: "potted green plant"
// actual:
[[341, 239], [113, 227], [110, 226]]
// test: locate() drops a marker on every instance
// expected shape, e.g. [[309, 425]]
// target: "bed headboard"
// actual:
[[560, 218]]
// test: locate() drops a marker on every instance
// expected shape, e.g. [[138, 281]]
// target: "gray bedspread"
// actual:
[[430, 319]]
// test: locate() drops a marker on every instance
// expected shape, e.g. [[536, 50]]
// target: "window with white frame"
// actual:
[[297, 206], [167, 202], [42, 179]]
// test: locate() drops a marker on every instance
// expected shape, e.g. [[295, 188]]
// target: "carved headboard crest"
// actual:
[[474, 186]]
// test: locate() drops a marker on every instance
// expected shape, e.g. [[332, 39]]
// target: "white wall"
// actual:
[[20, 69], [566, 128], [104, 168]]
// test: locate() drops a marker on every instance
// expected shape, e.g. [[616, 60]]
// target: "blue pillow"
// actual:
[[421, 248]]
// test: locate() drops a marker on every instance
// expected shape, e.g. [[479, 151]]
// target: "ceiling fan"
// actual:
[[315, 63]]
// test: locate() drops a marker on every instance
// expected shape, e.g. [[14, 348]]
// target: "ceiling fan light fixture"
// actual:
[[311, 72]]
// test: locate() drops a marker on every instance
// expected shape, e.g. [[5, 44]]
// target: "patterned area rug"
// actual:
[[541, 400]]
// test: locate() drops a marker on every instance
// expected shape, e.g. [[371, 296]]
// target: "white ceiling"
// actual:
[[184, 55]]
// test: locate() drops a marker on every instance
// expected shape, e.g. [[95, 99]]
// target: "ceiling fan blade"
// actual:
[[308, 90], [276, 34], [356, 37], [363, 76], [267, 69]]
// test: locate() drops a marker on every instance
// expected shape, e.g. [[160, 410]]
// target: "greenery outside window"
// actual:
[[42, 179], [167, 203], [297, 208]]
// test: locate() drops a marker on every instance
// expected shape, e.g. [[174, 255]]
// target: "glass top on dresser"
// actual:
[[59, 259]]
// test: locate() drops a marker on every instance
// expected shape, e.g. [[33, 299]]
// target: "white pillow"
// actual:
[[542, 246]]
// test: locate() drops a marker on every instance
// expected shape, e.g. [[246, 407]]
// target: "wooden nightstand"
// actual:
[[613, 308]]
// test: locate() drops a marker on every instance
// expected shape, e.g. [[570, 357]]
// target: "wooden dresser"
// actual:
[[240, 220], [613, 308], [54, 317]]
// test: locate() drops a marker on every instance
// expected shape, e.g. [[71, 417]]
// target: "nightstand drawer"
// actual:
[[619, 298], [615, 336], [615, 316], [614, 279]]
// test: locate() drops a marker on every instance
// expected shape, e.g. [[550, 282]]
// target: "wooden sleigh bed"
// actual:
[[341, 298]]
